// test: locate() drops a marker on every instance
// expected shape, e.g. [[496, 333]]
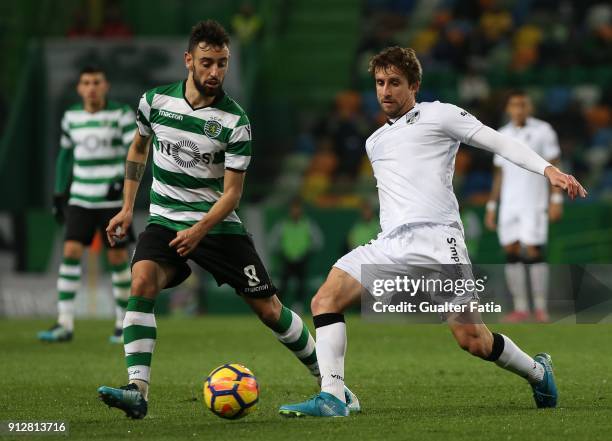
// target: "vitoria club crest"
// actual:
[[412, 117], [212, 128]]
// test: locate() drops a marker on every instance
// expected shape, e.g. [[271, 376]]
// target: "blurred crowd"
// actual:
[[473, 52]]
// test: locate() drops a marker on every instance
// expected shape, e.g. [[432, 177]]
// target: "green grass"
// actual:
[[413, 382]]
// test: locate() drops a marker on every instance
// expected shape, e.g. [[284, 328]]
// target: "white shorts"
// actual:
[[409, 248], [529, 227]]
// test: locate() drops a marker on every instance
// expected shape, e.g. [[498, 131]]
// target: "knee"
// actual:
[[324, 302], [269, 313], [143, 286], [117, 257], [513, 257], [73, 250], [535, 254]]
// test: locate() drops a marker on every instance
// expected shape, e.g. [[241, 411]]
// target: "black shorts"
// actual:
[[230, 258], [82, 223]]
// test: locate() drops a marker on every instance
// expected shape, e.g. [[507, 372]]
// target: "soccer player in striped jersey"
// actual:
[[201, 150], [413, 158], [89, 176]]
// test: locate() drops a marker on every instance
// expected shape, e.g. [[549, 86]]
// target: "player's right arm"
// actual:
[[135, 166], [491, 208]]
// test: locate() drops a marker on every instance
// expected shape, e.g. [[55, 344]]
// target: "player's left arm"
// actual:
[[186, 240], [518, 153]]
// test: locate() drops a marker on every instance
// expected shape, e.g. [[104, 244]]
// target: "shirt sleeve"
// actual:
[[66, 141], [511, 149], [498, 161], [142, 117], [457, 123], [238, 151], [127, 124], [551, 148], [65, 158]]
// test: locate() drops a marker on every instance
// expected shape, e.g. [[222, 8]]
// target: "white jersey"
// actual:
[[413, 160], [523, 190]]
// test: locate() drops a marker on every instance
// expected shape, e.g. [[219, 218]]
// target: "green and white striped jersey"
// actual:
[[191, 150], [98, 142]]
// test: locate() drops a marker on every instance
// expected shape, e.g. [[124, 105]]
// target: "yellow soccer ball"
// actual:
[[231, 391]]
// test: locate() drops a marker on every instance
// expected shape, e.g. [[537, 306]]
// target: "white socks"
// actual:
[[331, 348], [513, 359], [538, 275], [517, 284]]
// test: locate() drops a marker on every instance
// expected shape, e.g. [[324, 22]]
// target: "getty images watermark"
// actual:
[[446, 295], [420, 289], [425, 293]]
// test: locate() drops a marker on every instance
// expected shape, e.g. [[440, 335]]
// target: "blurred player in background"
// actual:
[[364, 230], [413, 157], [89, 178], [296, 238], [202, 148], [525, 209]]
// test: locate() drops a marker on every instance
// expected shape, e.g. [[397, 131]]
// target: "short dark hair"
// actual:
[[91, 69], [516, 92], [208, 31], [404, 59]]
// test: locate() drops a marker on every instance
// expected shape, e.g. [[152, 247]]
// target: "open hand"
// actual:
[[568, 183]]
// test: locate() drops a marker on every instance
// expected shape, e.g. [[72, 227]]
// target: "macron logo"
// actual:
[[171, 115]]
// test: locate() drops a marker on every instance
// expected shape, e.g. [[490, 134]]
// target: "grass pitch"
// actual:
[[412, 380]]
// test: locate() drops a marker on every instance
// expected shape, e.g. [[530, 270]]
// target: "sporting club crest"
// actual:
[[212, 128]]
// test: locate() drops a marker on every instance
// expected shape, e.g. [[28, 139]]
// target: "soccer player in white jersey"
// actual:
[[525, 209], [413, 157], [89, 176], [201, 150]]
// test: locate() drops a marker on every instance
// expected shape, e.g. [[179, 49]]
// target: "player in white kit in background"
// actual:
[[525, 207], [413, 158]]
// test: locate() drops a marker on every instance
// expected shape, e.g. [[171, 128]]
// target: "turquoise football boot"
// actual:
[[57, 334], [117, 337], [321, 405], [127, 398], [545, 392]]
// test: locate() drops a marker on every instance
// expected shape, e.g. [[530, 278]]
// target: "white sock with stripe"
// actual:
[[294, 334], [507, 355], [139, 335], [122, 279], [68, 284], [331, 348]]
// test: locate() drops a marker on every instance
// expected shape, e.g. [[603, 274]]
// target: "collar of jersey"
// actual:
[[393, 121], [104, 107], [216, 101], [527, 123]]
